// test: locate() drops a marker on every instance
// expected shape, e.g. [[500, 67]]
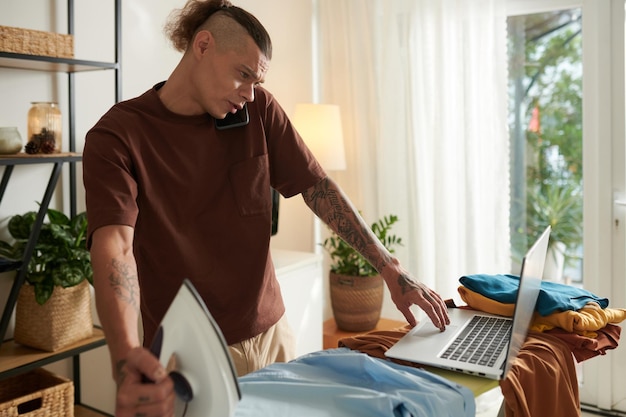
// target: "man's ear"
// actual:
[[202, 42]]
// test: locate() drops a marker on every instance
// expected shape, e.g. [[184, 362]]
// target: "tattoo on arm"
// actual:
[[405, 283], [120, 375], [125, 284], [320, 195], [330, 205]]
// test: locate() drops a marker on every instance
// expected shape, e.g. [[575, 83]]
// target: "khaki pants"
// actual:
[[277, 344]]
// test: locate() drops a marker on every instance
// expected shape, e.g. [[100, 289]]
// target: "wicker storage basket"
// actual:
[[37, 393], [36, 42], [64, 319], [356, 301]]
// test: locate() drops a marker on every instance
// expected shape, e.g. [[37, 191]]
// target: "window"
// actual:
[[545, 79]]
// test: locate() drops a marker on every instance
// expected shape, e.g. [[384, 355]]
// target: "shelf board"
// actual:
[[16, 359], [23, 158], [49, 63]]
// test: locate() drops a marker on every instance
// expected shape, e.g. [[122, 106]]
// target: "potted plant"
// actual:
[[559, 206], [54, 304], [356, 288]]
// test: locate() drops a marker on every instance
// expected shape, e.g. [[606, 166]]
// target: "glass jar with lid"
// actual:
[[44, 128]]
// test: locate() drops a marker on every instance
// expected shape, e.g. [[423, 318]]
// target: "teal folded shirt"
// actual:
[[553, 296]]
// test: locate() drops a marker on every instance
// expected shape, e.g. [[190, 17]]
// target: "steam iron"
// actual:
[[191, 346]]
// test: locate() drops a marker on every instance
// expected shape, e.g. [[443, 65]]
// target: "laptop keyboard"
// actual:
[[481, 341]]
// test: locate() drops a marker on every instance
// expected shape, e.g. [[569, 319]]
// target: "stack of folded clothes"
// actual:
[[582, 320]]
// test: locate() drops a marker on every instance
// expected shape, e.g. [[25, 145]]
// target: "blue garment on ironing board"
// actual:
[[553, 297], [342, 382]]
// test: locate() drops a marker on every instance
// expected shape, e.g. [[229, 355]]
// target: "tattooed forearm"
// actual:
[[328, 202], [406, 284], [125, 284]]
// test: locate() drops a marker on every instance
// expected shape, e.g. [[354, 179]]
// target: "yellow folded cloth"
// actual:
[[585, 321]]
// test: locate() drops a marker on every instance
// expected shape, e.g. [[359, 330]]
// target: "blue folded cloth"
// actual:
[[342, 382], [553, 296]]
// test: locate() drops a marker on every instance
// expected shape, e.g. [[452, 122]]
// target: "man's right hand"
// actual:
[[135, 397]]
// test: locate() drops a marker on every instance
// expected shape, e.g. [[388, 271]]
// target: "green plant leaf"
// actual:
[[21, 225], [8, 251], [57, 217], [43, 292]]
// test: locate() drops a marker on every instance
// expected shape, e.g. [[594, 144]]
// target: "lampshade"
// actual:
[[320, 127]]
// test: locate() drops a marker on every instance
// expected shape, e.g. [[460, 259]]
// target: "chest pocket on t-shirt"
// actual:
[[250, 182]]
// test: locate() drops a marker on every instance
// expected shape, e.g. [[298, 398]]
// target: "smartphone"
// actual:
[[237, 119]]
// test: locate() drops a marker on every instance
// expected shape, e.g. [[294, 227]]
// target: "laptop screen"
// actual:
[[529, 286]]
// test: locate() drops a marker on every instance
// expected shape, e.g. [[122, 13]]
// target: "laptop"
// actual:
[[496, 344]]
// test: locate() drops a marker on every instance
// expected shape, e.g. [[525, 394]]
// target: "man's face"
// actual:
[[226, 78]]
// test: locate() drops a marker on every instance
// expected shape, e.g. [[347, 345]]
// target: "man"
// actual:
[[172, 195]]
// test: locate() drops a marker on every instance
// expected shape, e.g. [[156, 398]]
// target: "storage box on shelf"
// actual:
[[36, 42], [37, 393]]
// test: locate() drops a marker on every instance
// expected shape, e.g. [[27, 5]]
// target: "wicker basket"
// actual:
[[64, 319], [36, 42], [37, 393], [356, 301]]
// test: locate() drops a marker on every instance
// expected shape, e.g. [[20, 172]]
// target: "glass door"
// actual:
[[567, 155], [545, 78]]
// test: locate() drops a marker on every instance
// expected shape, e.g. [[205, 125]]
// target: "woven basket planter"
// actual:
[[64, 319], [356, 301], [37, 393]]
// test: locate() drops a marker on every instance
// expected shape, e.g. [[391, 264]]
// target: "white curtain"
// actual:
[[423, 92]]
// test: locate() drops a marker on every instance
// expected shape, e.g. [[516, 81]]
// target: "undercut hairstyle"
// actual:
[[183, 24]]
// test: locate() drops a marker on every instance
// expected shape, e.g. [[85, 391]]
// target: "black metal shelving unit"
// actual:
[[16, 359]]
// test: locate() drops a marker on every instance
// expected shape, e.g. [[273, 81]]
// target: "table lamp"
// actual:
[[320, 127]]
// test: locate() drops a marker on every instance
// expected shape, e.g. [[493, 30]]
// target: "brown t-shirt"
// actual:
[[199, 200]]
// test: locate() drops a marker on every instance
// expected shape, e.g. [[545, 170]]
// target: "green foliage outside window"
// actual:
[[547, 86]]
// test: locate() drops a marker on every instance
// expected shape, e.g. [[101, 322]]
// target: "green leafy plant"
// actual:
[[559, 206], [60, 257], [347, 261]]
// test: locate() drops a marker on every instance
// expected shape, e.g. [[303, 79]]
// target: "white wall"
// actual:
[[146, 59]]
